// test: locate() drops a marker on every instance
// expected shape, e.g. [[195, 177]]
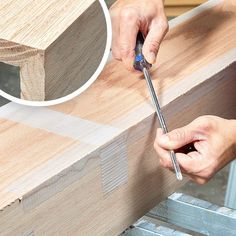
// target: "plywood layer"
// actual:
[[57, 44], [88, 167]]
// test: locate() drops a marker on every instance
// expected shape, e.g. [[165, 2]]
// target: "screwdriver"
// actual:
[[142, 65]]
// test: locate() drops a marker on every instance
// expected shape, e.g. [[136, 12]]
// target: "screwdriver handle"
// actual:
[[140, 62]]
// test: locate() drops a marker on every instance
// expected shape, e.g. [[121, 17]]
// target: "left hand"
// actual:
[[130, 16], [214, 139]]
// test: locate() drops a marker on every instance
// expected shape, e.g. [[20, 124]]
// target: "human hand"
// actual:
[[129, 17], [214, 139]]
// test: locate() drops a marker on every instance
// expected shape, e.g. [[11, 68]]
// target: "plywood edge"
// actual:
[[142, 185], [72, 59], [31, 64], [133, 119]]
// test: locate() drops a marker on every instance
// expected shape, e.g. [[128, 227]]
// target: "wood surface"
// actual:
[[178, 7], [174, 7], [87, 167], [183, 2], [57, 44]]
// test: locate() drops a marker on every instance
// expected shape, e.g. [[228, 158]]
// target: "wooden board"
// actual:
[[87, 167], [183, 2], [173, 11], [178, 7], [174, 7], [46, 39]]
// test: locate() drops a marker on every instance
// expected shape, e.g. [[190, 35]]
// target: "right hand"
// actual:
[[129, 17], [214, 139]]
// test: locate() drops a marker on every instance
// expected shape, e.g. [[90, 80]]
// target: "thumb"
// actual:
[[177, 138], [153, 40]]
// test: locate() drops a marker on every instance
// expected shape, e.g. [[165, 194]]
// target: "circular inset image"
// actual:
[[51, 51]]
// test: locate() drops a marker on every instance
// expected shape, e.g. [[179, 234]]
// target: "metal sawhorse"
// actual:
[[230, 198], [193, 214], [189, 213]]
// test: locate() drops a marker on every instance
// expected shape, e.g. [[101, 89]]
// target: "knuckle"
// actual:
[[125, 51], [163, 163], [206, 174], [128, 14], [205, 123], [115, 53], [163, 24], [116, 56], [178, 135], [154, 44], [156, 147]]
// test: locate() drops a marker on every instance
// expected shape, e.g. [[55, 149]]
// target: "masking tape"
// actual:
[[59, 123]]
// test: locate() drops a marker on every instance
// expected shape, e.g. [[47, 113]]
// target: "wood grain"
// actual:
[[57, 44], [183, 2], [62, 192], [178, 7], [129, 91], [34, 145]]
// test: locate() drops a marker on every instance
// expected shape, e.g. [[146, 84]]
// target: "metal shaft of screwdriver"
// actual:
[[162, 121]]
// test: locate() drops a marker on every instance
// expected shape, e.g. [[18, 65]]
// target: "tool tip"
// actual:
[[179, 176]]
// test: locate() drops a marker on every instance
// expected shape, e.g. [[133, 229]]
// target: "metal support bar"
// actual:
[[230, 198], [196, 215], [145, 228]]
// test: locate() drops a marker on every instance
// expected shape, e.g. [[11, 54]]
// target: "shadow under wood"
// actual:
[[10, 79]]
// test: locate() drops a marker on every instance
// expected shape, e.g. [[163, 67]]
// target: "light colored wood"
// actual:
[[183, 2], [53, 165], [57, 44], [173, 11], [178, 7]]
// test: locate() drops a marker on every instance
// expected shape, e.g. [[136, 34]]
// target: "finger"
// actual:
[[129, 27], [188, 163], [166, 162], [164, 156], [157, 32], [115, 34], [198, 180], [159, 133], [178, 138]]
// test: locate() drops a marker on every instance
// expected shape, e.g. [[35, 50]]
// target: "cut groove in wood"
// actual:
[[57, 44]]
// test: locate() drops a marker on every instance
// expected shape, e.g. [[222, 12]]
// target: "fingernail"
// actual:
[[151, 57], [165, 138]]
